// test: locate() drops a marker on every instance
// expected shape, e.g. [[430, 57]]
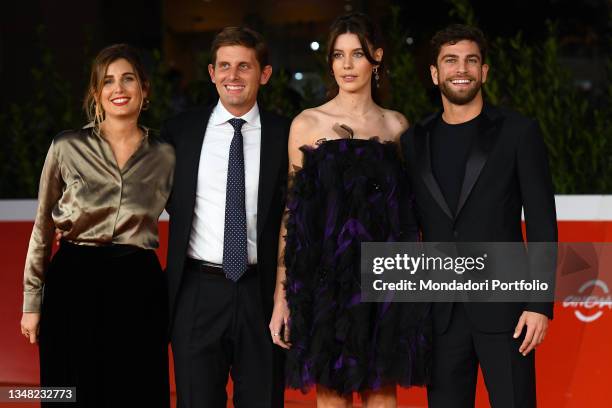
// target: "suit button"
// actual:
[[455, 234]]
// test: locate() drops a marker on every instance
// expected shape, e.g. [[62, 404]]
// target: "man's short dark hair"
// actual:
[[241, 36], [455, 33]]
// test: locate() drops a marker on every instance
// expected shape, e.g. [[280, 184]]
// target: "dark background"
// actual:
[[46, 48], [75, 30]]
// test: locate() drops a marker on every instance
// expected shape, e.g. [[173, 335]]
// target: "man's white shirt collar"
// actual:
[[221, 115]]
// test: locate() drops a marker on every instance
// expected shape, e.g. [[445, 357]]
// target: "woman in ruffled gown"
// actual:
[[346, 189]]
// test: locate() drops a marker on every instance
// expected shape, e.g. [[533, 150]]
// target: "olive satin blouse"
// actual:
[[92, 201]]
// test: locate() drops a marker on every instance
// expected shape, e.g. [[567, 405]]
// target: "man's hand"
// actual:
[[279, 324], [537, 324], [29, 326]]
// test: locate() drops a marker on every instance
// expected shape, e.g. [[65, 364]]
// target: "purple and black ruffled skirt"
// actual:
[[348, 192]]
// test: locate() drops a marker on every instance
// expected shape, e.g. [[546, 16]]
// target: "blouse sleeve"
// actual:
[[41, 240]]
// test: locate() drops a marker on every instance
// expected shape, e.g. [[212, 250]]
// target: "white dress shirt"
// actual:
[[206, 239]]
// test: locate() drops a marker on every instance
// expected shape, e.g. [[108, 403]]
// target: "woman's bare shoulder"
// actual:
[[395, 120], [307, 117], [307, 127], [396, 123]]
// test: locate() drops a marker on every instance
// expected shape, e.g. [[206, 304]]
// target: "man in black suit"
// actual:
[[225, 213], [473, 168]]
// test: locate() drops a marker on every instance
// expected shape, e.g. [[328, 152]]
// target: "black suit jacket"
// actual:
[[186, 133], [506, 171]]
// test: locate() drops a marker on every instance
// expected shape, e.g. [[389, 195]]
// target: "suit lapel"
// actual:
[[422, 133], [488, 132], [190, 158], [269, 161]]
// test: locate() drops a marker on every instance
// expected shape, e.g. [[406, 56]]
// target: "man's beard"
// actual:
[[459, 98]]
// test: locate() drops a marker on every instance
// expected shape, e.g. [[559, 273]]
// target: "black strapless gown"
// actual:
[[348, 192]]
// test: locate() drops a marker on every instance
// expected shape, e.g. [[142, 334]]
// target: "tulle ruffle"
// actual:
[[348, 192]]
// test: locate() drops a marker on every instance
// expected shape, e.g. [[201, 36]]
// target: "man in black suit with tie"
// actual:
[[473, 167], [225, 214]]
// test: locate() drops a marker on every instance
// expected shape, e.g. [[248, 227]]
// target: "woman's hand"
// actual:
[[59, 234], [29, 326], [279, 324]]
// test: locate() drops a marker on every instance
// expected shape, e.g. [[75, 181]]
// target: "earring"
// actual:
[[376, 76], [145, 104]]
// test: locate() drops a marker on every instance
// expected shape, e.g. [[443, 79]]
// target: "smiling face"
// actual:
[[459, 72], [237, 77], [352, 70], [121, 94]]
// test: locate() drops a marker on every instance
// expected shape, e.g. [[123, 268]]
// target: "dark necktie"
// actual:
[[235, 256]]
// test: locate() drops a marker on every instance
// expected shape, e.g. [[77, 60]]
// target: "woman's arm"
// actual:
[[279, 328], [41, 242]]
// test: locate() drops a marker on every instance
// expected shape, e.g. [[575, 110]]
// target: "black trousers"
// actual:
[[103, 327], [219, 329], [508, 375]]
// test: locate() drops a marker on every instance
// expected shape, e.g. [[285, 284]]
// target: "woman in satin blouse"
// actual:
[[98, 307]]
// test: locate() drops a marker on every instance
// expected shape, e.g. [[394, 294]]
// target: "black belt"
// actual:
[[108, 250], [212, 268]]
